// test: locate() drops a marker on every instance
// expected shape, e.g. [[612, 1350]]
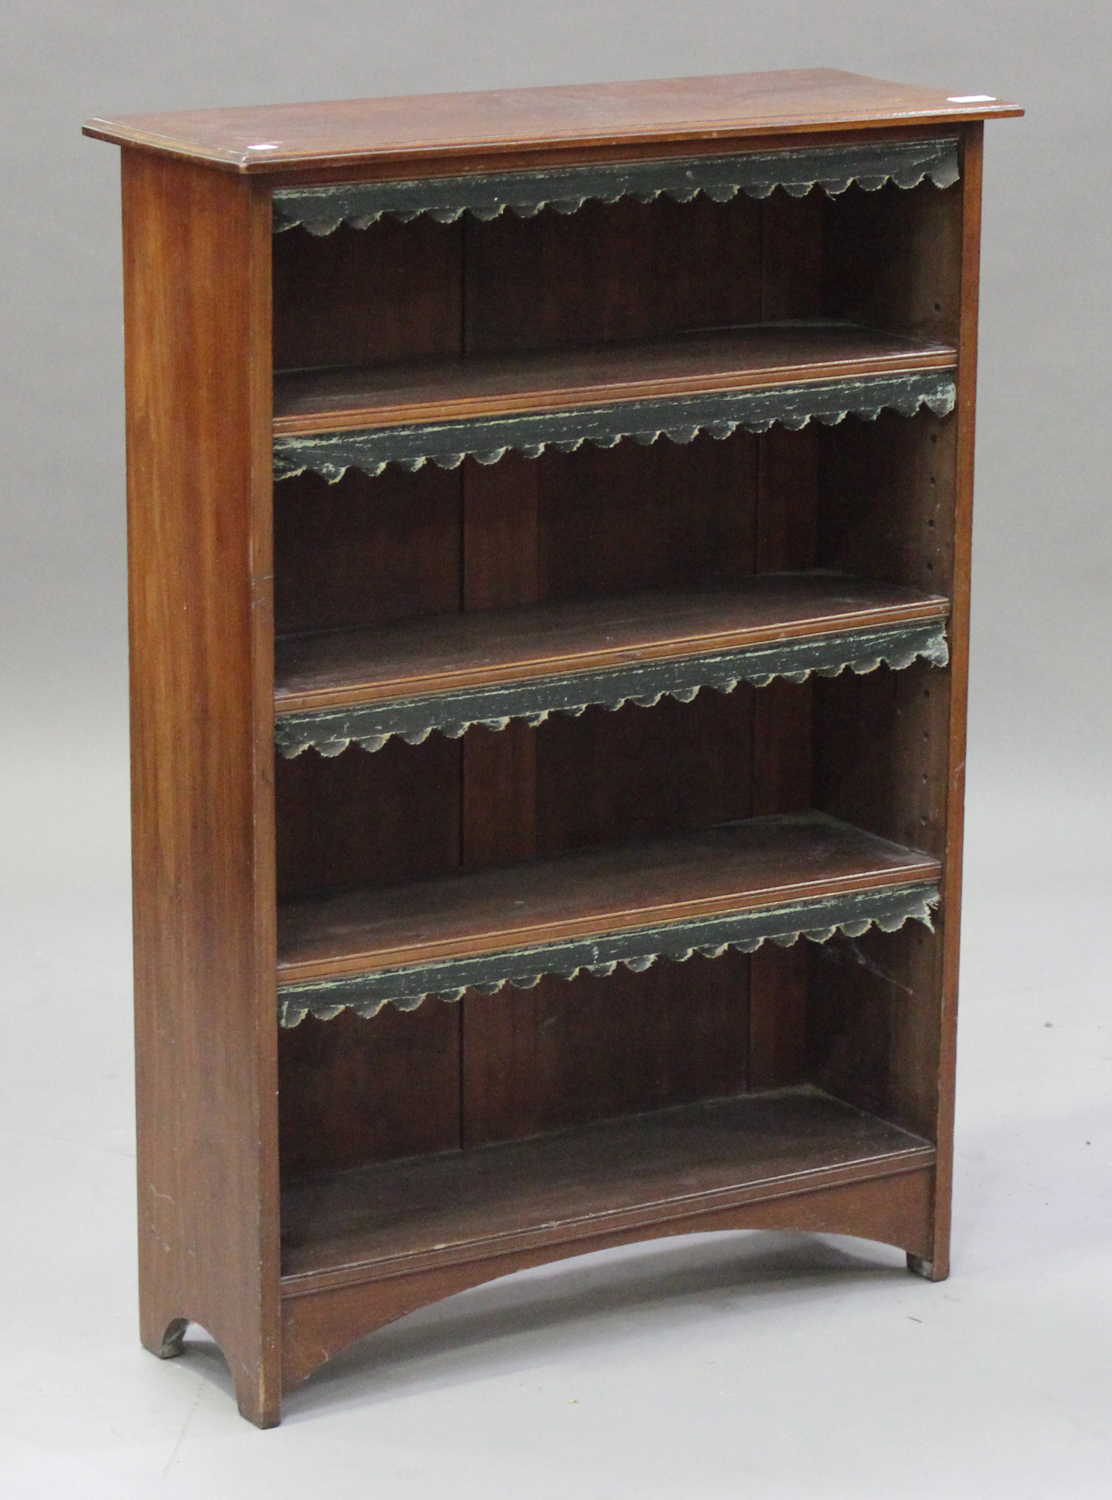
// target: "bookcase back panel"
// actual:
[[368, 819], [611, 271], [354, 1091], [602, 521], [397, 291], [892, 259], [367, 297], [787, 510], [598, 521], [639, 772], [881, 757], [616, 519], [570, 1052], [363, 550]]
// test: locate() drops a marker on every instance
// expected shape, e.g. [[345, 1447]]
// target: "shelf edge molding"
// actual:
[[680, 418], [851, 913], [869, 164], [330, 731]]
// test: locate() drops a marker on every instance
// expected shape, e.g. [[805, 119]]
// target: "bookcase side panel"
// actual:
[[972, 162], [890, 747], [197, 319]]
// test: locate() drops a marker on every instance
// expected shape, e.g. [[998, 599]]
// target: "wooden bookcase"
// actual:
[[574, 486]]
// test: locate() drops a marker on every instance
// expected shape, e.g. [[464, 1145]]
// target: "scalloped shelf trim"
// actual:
[[493, 706], [407, 987], [870, 165], [680, 418]]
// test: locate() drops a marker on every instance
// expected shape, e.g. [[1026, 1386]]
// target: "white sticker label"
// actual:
[[971, 99]]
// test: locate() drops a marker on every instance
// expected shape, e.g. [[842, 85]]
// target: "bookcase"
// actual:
[[549, 519]]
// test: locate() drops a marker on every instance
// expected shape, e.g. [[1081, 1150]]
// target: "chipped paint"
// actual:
[[408, 986], [370, 726], [870, 165], [680, 418]]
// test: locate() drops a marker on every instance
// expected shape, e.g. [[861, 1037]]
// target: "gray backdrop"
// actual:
[[466, 1402]]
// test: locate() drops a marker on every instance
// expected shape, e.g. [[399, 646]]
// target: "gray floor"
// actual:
[[763, 1366]]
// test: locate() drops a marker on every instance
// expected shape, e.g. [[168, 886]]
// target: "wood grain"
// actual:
[[375, 819], [889, 751], [937, 1264], [367, 551], [356, 298], [318, 1319], [437, 654], [270, 138], [197, 324], [763, 862], [407, 323], [677, 365], [569, 1053], [792, 286], [364, 552], [610, 272], [572, 527], [351, 1091], [574, 1183]]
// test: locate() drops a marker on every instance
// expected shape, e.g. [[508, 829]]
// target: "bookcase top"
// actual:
[[523, 123]]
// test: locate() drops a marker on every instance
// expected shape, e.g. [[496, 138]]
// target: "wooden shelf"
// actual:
[[448, 672], [713, 380], [736, 885], [427, 1212], [313, 401]]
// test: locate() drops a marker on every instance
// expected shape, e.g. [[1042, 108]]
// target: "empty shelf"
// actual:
[[681, 384], [674, 1164], [736, 885], [448, 672]]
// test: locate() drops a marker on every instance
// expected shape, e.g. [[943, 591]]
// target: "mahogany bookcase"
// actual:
[[549, 522]]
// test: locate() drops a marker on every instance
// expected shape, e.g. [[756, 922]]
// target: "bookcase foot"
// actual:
[[929, 1270], [259, 1399], [172, 1342], [258, 1395]]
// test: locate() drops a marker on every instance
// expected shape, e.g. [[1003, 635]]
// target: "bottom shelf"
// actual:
[[424, 1214]]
